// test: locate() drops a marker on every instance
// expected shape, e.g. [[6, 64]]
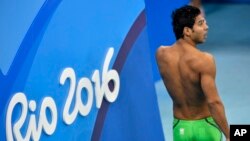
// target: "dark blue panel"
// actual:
[[137, 96]]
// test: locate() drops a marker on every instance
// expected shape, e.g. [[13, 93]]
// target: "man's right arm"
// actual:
[[208, 72]]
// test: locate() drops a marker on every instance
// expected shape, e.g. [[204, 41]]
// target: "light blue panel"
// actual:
[[16, 17], [77, 35]]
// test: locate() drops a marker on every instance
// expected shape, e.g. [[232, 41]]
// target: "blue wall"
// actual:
[[76, 70]]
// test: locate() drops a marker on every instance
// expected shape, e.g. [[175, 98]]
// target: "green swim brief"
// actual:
[[196, 130]]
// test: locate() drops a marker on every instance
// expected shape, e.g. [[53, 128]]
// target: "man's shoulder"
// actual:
[[199, 56], [162, 50], [201, 60], [207, 54], [207, 62], [208, 57]]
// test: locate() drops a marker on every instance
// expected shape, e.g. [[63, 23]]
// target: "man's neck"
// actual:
[[186, 43]]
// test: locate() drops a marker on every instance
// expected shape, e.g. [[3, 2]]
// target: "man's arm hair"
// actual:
[[216, 107]]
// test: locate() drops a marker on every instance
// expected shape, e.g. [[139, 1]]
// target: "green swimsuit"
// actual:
[[196, 130]]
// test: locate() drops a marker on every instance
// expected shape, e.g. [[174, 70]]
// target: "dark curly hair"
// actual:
[[184, 17]]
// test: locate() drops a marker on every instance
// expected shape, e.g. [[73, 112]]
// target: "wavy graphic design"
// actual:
[[27, 51], [131, 37], [25, 55]]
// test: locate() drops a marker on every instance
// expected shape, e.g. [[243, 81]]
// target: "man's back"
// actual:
[[180, 69], [189, 76]]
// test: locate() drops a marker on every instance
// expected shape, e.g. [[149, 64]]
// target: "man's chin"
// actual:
[[200, 42]]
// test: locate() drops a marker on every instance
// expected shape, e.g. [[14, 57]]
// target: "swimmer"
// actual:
[[189, 77]]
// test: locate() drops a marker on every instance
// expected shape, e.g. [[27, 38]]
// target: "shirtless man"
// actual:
[[189, 76]]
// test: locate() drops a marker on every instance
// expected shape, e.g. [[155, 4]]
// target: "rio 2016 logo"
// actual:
[[95, 87]]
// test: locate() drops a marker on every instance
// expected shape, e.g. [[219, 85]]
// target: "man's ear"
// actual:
[[187, 31]]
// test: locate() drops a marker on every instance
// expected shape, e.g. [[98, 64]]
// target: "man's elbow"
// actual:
[[215, 104]]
